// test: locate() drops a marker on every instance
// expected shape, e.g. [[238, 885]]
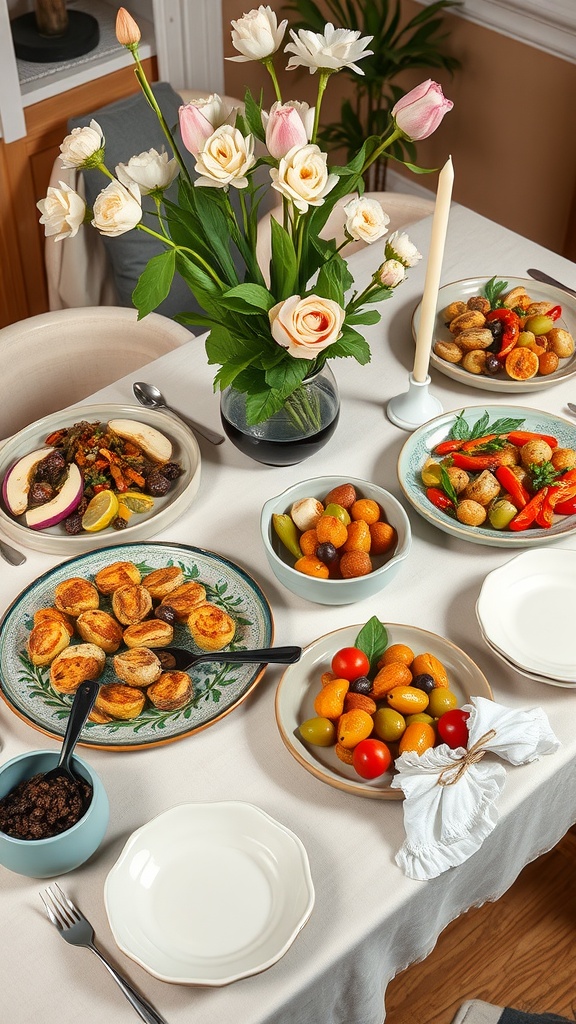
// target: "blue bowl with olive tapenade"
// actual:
[[27, 810]]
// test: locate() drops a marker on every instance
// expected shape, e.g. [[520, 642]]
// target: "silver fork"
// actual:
[[77, 930]]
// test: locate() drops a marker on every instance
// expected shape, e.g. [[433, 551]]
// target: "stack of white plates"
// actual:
[[527, 614]]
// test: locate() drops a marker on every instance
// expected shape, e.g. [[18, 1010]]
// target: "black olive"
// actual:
[[424, 682], [361, 685], [171, 470], [495, 327], [492, 364], [165, 613], [156, 484], [73, 523], [327, 553]]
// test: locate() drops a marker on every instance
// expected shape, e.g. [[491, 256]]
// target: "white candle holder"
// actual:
[[413, 407]]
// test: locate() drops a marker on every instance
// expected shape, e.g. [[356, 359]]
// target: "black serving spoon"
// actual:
[[184, 659], [81, 707]]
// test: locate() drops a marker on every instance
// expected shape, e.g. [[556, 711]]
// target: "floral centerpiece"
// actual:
[[271, 327]]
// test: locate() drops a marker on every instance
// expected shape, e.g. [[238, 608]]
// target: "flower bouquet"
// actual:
[[271, 327]]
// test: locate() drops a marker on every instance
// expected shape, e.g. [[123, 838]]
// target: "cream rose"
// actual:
[[84, 147], [226, 157], [306, 326], [257, 35], [117, 209], [302, 176], [365, 219], [62, 212], [399, 247], [151, 170]]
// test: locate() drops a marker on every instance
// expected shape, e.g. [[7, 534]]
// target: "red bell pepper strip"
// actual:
[[521, 437], [476, 463], [477, 442], [439, 498], [554, 313], [523, 519], [567, 507], [511, 483], [445, 447], [511, 329], [554, 498]]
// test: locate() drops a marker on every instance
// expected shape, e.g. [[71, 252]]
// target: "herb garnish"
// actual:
[[462, 431], [493, 290], [542, 474], [373, 640], [447, 486]]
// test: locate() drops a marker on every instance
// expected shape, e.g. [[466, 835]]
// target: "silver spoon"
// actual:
[[10, 554], [81, 707], [152, 398]]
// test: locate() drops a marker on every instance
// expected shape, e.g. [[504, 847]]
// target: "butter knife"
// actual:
[[11, 555], [539, 275], [571, 406]]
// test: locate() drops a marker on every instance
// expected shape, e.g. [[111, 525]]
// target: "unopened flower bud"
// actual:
[[127, 31], [391, 273]]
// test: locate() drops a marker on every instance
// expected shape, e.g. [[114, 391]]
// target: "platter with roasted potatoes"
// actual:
[[96, 475], [108, 615]]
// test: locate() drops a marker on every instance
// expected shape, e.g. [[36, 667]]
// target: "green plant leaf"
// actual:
[[262, 405], [248, 299], [288, 375], [350, 344], [373, 640], [253, 116], [334, 280], [370, 316], [154, 282], [284, 266]]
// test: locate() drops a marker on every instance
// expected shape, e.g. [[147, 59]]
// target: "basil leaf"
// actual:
[[504, 426], [493, 289], [447, 486], [373, 640], [460, 431], [481, 426]]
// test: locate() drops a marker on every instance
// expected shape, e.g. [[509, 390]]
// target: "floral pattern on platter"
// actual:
[[218, 688], [419, 447]]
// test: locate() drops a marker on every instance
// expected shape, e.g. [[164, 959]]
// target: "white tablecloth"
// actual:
[[369, 921]]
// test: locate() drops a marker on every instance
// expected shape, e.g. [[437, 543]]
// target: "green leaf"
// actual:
[[492, 291], [284, 266], [505, 425], [154, 282], [373, 640], [262, 405], [248, 299], [334, 280], [288, 375], [350, 344], [370, 316], [480, 427], [447, 486], [253, 114], [460, 430]]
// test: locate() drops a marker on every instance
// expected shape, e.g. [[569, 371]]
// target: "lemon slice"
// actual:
[[136, 501], [100, 512]]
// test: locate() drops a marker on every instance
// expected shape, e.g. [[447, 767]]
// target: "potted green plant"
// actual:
[[396, 47]]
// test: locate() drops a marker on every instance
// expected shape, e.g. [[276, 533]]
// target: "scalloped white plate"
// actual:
[[206, 894]]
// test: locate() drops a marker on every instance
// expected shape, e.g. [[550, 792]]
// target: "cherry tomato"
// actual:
[[452, 728], [349, 663], [371, 758]]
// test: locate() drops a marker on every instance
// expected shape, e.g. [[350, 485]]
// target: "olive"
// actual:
[[441, 700], [320, 732], [361, 685], [495, 327], [492, 364], [326, 552], [165, 613], [157, 484], [501, 513], [424, 682], [171, 470], [389, 724]]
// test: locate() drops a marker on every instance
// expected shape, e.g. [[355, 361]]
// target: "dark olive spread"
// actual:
[[39, 809]]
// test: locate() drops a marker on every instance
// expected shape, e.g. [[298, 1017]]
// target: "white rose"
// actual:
[[366, 219], [302, 176], [399, 247], [391, 273], [62, 212], [257, 35], [306, 326], [84, 147], [117, 209], [335, 49], [150, 171], [226, 157]]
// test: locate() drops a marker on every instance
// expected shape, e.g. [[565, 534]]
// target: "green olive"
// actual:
[[320, 732], [500, 513], [539, 324], [526, 338], [389, 724], [441, 700], [338, 512]]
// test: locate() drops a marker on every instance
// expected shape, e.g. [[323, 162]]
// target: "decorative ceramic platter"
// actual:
[[218, 688], [462, 291], [206, 894], [300, 684], [55, 540], [533, 628], [419, 447]]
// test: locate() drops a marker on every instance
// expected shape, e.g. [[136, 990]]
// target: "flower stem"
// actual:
[[322, 83], [145, 86], [268, 64], [184, 248], [396, 134]]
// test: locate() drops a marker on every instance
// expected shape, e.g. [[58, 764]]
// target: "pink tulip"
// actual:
[[288, 125], [194, 128], [421, 110]]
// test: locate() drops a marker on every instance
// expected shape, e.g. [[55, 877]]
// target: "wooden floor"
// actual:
[[520, 951]]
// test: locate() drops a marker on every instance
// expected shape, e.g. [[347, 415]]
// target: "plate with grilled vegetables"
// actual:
[[96, 475], [112, 615]]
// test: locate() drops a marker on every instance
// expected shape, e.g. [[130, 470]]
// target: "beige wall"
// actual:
[[511, 133]]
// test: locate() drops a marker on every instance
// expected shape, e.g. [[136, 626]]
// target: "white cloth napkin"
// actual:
[[450, 795]]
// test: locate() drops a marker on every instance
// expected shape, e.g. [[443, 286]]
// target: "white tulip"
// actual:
[[302, 176], [84, 147], [62, 212], [306, 326], [366, 219], [391, 273], [150, 171], [117, 209], [226, 157], [257, 35], [335, 49], [399, 247]]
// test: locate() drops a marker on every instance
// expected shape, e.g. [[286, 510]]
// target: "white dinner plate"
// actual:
[[526, 610], [465, 289], [421, 443], [534, 676], [206, 894], [142, 525], [300, 684]]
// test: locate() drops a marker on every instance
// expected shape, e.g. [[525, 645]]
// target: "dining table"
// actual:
[[369, 921]]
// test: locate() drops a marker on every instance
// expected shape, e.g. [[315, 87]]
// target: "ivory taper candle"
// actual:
[[433, 271]]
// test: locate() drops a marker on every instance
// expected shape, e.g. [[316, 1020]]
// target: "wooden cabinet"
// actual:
[[25, 168]]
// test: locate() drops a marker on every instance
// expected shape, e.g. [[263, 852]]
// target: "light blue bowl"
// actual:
[[44, 858], [334, 591]]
